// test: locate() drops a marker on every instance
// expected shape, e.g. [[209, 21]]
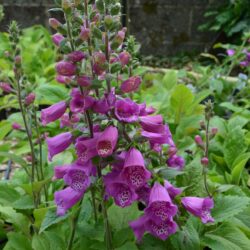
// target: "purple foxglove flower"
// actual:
[[172, 190], [126, 110], [101, 106], [53, 112], [6, 87], [58, 143], [60, 171], [75, 118], [244, 63], [122, 193], [76, 56], [99, 66], [77, 177], [132, 84], [57, 39], [85, 149], [111, 98], [139, 227], [54, 23], [176, 161], [120, 36], [66, 68], [143, 193], [107, 141], [64, 79], [16, 126], [84, 81], [65, 121], [230, 52], [162, 230], [152, 124], [160, 207], [134, 170], [155, 138], [65, 199], [85, 33], [80, 103], [124, 58], [30, 98], [199, 207]]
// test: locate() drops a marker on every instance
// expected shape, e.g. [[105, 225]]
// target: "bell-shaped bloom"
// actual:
[[101, 106], [63, 79], [65, 68], [160, 207], [65, 121], [78, 176], [16, 126], [134, 170], [85, 149], [84, 81], [58, 143], [123, 194], [110, 97], [172, 190], [126, 110], [80, 103], [199, 207], [57, 39], [144, 110], [76, 56], [152, 124], [143, 193], [176, 161], [65, 199], [6, 87], [160, 230], [85, 33], [132, 84], [53, 112], [124, 58], [107, 141], [155, 138], [60, 171]]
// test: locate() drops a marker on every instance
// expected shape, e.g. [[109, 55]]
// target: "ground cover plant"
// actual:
[[100, 153]]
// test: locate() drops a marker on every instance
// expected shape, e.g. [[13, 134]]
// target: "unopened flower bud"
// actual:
[[124, 58], [66, 68], [202, 125], [204, 161], [18, 60], [198, 140], [84, 81], [54, 23], [5, 87], [30, 98], [108, 21], [115, 9], [214, 131], [85, 33], [57, 39], [76, 56], [16, 126], [100, 5], [66, 4], [63, 79]]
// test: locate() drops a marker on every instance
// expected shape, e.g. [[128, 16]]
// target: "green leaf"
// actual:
[[14, 158], [19, 221], [227, 237], [5, 128], [237, 121], [8, 194], [51, 218], [40, 242], [180, 101], [234, 145], [228, 206], [25, 202], [170, 79], [50, 94], [119, 217], [17, 241], [39, 215], [128, 246], [238, 167]]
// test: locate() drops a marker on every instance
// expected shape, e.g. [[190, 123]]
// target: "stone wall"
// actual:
[[163, 27]]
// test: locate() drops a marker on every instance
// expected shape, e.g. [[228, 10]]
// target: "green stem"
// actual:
[[69, 33], [93, 203]]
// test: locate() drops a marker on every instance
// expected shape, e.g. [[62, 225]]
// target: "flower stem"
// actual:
[[69, 33]]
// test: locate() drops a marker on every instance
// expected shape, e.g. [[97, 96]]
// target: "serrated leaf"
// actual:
[[234, 145], [228, 206], [227, 237], [238, 167], [51, 218]]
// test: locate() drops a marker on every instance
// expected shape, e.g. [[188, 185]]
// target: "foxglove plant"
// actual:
[[114, 159]]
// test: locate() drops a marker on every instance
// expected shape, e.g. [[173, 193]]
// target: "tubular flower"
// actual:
[[76, 56], [65, 68], [57, 39], [160, 207], [134, 170], [132, 84], [58, 143], [126, 110], [199, 207], [53, 112], [176, 162], [172, 191], [84, 81], [107, 141]]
